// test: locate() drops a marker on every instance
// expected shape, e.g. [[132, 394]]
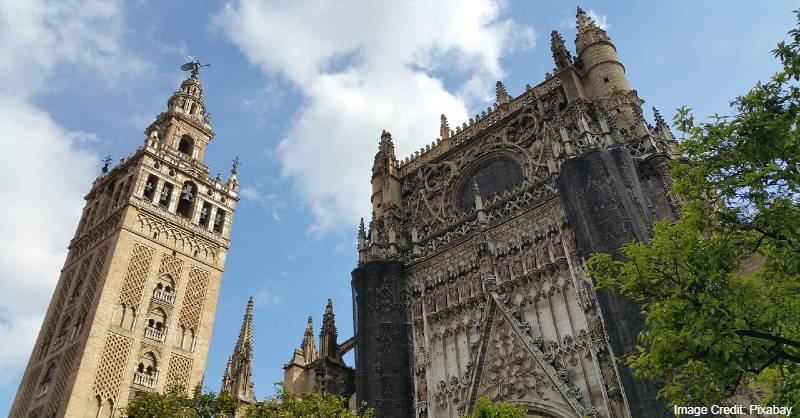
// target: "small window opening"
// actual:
[[166, 194], [605, 79], [205, 212], [219, 220], [186, 145], [185, 205]]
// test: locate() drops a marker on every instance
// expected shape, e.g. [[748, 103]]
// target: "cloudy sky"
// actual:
[[300, 92]]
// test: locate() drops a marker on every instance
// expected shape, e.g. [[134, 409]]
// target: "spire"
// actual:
[[502, 94], [238, 372], [307, 346], [588, 31], [444, 128], [561, 55], [328, 347]]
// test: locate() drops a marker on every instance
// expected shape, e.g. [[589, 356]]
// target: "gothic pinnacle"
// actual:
[[444, 128], [502, 94], [659, 119]]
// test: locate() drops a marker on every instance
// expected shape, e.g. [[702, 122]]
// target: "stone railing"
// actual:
[[144, 379], [164, 296], [154, 334]]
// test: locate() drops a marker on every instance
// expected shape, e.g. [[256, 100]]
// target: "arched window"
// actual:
[[165, 195], [165, 289], [150, 187], [219, 221], [205, 213], [494, 175], [156, 325], [186, 200], [186, 145], [146, 371]]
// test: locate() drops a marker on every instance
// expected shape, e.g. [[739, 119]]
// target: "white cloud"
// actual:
[[45, 171], [363, 67]]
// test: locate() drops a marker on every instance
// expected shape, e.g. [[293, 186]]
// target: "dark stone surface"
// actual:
[[382, 328], [607, 206], [332, 376]]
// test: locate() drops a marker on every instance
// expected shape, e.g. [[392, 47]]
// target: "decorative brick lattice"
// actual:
[[180, 368], [112, 366], [59, 384], [55, 316], [25, 399], [170, 265], [88, 293], [193, 301], [136, 275]]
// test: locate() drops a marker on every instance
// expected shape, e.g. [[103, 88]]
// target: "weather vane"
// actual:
[[194, 66], [235, 165], [105, 163]]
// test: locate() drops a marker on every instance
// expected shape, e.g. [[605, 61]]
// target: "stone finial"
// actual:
[[502, 94], [444, 128]]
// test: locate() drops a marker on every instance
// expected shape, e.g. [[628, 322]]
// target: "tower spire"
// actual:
[[308, 346], [328, 347], [238, 372]]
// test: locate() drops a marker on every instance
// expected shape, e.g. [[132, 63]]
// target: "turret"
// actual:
[[385, 185], [603, 72]]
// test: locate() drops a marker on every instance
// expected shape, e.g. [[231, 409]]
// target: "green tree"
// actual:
[[484, 408], [720, 287], [287, 404], [175, 403]]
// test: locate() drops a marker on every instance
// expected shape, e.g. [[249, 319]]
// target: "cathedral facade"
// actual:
[[135, 302], [471, 279]]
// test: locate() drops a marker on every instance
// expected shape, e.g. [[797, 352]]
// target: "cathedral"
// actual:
[[470, 280]]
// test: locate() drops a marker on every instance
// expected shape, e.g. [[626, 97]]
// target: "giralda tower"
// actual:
[[135, 302]]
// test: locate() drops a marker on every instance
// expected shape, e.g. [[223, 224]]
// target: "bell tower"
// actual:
[[134, 304]]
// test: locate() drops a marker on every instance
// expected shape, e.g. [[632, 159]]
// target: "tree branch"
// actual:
[[765, 336]]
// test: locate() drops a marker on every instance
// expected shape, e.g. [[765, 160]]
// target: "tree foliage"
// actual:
[[176, 403], [287, 404], [720, 287], [484, 408]]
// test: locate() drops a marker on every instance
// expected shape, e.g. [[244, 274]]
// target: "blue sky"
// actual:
[[300, 92]]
